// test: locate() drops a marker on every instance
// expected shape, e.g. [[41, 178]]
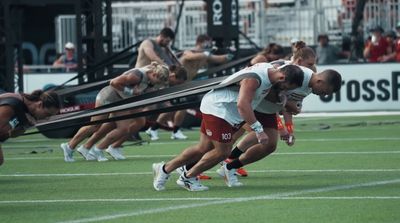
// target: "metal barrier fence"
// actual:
[[65, 31], [262, 23]]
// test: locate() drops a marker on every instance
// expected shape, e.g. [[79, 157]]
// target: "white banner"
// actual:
[[365, 87], [37, 81]]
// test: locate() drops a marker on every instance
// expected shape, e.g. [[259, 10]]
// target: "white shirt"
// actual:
[[297, 94], [222, 103]]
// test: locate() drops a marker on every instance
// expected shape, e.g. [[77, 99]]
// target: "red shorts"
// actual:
[[217, 129], [267, 120]]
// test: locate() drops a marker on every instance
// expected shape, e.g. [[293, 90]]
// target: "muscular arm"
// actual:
[[194, 56], [219, 59], [247, 90], [148, 49]]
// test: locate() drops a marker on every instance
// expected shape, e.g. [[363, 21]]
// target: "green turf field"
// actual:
[[340, 170]]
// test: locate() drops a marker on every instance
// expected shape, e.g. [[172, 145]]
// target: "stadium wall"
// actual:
[[365, 87]]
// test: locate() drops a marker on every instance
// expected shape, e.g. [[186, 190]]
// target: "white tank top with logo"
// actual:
[[222, 103], [297, 94]]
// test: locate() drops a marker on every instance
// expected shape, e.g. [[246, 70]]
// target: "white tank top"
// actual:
[[300, 93], [222, 102], [297, 94]]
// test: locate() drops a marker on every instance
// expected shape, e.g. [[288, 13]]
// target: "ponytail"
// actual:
[[49, 99], [302, 51]]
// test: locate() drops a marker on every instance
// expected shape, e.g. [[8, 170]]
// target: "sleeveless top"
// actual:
[[222, 103], [19, 119], [297, 94], [109, 94]]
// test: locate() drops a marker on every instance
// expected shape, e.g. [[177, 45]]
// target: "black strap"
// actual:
[[152, 100], [83, 122]]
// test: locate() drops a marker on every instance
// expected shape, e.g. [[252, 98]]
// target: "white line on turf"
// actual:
[[194, 141], [274, 154], [208, 172], [197, 199], [233, 200]]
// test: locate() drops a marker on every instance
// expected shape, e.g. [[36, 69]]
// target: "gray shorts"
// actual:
[[107, 95]]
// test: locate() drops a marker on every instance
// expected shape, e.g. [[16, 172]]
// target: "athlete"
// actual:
[[132, 82], [302, 56], [224, 112], [20, 111], [248, 150]]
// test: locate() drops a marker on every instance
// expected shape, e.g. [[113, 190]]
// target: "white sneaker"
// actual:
[[190, 184], [229, 176], [153, 134], [84, 152], [68, 152], [181, 170], [116, 153], [178, 135], [97, 154], [159, 176]]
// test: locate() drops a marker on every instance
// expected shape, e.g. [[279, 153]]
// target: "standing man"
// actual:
[[224, 111]]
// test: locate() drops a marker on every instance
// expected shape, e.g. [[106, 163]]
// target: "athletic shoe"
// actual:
[[85, 153], [229, 176], [181, 170], [153, 134], [97, 154], [159, 176], [241, 172], [116, 153], [190, 184], [178, 135], [202, 176], [68, 152]]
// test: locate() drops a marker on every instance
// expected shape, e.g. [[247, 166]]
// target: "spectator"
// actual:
[[326, 53], [393, 42], [377, 46], [271, 53], [68, 59]]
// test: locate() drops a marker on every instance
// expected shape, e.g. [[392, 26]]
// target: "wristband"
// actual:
[[279, 122], [128, 91], [229, 56], [207, 53], [257, 127], [289, 127], [13, 123]]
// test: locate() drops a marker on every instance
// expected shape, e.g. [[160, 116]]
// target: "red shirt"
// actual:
[[377, 50], [397, 50]]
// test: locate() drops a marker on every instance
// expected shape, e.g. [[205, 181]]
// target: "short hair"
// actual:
[[322, 36], [302, 51], [180, 72], [333, 78], [167, 32], [293, 74], [202, 38]]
